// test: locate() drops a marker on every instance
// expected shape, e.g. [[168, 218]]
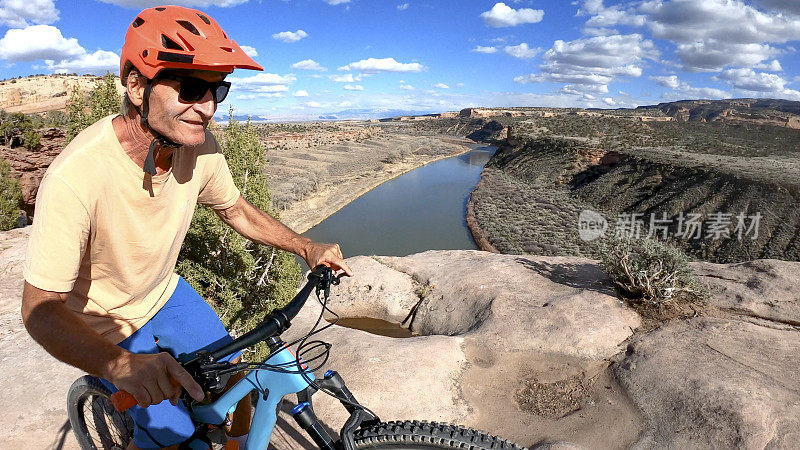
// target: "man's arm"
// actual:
[[69, 339], [261, 228]]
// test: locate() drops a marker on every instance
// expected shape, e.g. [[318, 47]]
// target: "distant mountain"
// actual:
[[374, 113], [346, 114], [763, 111]]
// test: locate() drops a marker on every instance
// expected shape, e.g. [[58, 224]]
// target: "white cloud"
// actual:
[[714, 34], [336, 2], [97, 63], [263, 84], [376, 65], [670, 81], [600, 31], [584, 89], [502, 15], [350, 87], [17, 13], [141, 4], [263, 79], [609, 101], [308, 64], [682, 89], [521, 51], [590, 64], [441, 86], [402, 7], [300, 93], [290, 36], [750, 80], [482, 49], [39, 42], [347, 78], [249, 51], [259, 95], [609, 16], [772, 66], [407, 87], [313, 104], [713, 55], [271, 88]]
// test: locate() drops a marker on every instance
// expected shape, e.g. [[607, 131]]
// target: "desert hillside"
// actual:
[[651, 176], [42, 93]]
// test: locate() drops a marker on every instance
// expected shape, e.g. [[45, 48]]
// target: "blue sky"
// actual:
[[327, 56]]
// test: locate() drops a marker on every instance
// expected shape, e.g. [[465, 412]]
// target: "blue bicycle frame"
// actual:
[[279, 385]]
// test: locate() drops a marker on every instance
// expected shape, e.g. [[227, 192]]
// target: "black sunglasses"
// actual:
[[193, 89]]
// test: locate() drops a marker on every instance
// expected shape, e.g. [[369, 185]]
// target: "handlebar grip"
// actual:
[[123, 401]]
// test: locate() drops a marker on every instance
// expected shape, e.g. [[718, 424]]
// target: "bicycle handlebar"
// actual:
[[274, 324]]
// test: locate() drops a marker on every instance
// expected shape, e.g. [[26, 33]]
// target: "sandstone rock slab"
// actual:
[[763, 288], [716, 383]]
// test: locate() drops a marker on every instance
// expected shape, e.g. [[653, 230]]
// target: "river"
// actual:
[[424, 209]]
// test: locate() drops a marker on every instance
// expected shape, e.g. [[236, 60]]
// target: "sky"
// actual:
[[369, 58]]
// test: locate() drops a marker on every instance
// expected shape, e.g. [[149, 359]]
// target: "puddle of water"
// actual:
[[374, 326]]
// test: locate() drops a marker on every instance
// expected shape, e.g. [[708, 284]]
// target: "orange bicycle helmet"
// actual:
[[174, 37]]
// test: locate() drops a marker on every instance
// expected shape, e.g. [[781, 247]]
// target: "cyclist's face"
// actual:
[[180, 121]]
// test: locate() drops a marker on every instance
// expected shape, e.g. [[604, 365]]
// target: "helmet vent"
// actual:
[[160, 8], [137, 22], [227, 49], [169, 43], [188, 25], [224, 35], [204, 19]]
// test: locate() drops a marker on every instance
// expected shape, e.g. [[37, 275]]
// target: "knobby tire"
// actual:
[[415, 435], [95, 422]]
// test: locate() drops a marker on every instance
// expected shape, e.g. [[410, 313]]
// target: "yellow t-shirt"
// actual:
[[108, 236]]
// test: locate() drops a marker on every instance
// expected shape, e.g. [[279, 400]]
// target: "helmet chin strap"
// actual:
[[160, 139]]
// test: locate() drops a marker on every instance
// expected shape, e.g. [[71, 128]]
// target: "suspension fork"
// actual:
[[304, 414]]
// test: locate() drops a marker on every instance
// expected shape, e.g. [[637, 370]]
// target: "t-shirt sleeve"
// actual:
[[219, 192], [58, 238]]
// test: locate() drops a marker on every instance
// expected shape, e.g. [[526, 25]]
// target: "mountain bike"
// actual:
[[99, 420]]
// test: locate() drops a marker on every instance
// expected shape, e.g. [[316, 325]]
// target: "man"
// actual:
[[113, 210]]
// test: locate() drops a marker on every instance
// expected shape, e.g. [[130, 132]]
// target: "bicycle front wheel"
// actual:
[[415, 435], [95, 422]]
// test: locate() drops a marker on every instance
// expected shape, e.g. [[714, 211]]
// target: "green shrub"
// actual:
[[103, 101], [55, 119], [651, 271], [241, 280], [10, 197], [31, 139], [77, 114], [13, 128]]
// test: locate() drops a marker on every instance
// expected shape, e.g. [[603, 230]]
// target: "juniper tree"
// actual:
[[241, 280], [104, 99], [10, 197]]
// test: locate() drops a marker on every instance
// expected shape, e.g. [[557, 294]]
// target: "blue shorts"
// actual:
[[185, 324]]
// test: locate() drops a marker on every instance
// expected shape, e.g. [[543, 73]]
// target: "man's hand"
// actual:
[[317, 253], [260, 227], [151, 378]]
